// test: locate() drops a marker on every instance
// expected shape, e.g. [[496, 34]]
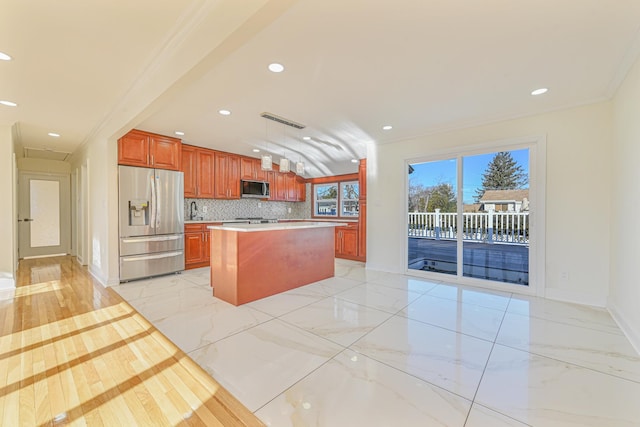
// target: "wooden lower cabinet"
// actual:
[[197, 248], [347, 242]]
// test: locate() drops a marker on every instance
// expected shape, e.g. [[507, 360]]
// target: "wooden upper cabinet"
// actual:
[[133, 149], [251, 169], [197, 165], [205, 162], [302, 190], [291, 183], [165, 152], [227, 176], [138, 148], [190, 170]]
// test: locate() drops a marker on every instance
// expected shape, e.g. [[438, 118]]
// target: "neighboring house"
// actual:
[[505, 201], [471, 207]]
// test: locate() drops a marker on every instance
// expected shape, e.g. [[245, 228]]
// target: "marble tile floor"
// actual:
[[368, 348]]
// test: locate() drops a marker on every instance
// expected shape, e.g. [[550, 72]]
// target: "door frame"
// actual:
[[537, 189], [65, 209]]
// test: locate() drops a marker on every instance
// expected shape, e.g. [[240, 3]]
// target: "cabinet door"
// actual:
[[227, 176], [338, 241], [280, 186], [220, 190], [247, 170], [165, 152], [193, 244], [233, 176], [190, 169], [350, 242], [292, 187], [206, 246], [205, 164], [133, 149], [301, 193], [261, 175]]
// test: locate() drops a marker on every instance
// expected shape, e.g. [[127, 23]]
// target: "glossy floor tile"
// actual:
[[474, 320], [372, 348], [261, 362], [445, 358], [337, 320], [354, 390], [546, 392]]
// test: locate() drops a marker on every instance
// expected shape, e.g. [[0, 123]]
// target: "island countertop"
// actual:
[[273, 226]]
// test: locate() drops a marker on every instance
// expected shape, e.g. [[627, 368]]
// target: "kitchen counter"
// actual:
[[273, 227], [254, 261]]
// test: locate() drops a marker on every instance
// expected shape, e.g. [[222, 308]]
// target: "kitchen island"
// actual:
[[253, 261]]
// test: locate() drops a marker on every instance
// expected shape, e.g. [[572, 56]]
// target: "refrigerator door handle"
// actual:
[[148, 257], [158, 199], [151, 239], [154, 208]]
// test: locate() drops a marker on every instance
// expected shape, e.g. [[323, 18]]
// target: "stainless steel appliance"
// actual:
[[255, 220], [151, 215], [255, 189]]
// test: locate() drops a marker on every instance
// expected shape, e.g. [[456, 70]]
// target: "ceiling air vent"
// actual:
[[282, 120]]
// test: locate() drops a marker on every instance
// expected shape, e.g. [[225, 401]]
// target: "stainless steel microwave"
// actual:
[[255, 189]]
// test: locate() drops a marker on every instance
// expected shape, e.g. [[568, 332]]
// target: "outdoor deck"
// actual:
[[492, 261]]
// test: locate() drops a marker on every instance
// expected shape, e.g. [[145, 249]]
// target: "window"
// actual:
[[349, 199], [325, 199], [336, 199]]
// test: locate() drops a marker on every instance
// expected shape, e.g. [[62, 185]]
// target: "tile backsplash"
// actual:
[[230, 209]]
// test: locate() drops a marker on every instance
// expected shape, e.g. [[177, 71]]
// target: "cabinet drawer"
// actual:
[[194, 228]]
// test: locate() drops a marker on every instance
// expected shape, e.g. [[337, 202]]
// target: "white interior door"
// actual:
[[44, 220]]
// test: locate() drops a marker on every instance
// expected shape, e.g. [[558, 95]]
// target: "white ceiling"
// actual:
[[87, 68]]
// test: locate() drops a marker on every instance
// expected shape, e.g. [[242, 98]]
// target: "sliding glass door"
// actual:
[[468, 216]]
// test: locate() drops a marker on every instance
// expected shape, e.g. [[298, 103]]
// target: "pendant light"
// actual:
[[285, 164], [300, 163], [266, 161]]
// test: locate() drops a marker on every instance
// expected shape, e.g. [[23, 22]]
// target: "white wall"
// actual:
[[44, 166], [8, 216], [100, 157], [578, 143], [624, 302]]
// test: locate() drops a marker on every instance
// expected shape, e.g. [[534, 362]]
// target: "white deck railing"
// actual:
[[490, 227]]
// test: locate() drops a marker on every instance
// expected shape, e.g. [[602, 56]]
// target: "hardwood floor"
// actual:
[[74, 353]]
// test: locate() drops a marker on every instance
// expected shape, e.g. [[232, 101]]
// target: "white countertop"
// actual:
[[273, 227]]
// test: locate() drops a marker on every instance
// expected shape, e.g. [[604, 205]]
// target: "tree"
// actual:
[[428, 199], [502, 173], [418, 197], [442, 197]]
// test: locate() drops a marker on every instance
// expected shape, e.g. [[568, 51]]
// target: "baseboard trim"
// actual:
[[575, 297], [97, 276], [7, 282], [632, 335]]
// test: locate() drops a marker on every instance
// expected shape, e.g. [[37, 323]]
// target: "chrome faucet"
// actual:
[[193, 207]]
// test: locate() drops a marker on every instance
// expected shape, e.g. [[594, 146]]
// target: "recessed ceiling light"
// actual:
[[306, 138], [179, 133], [53, 134], [539, 91], [276, 68], [387, 127], [4, 57], [224, 112], [255, 150], [9, 103], [354, 160]]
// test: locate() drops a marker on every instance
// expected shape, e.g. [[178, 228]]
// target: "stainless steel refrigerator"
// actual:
[[151, 222]]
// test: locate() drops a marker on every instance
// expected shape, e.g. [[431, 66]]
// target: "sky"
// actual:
[[444, 172]]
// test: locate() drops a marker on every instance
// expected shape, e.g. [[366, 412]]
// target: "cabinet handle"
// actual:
[[152, 162]]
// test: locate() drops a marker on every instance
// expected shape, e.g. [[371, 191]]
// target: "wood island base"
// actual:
[[256, 263]]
